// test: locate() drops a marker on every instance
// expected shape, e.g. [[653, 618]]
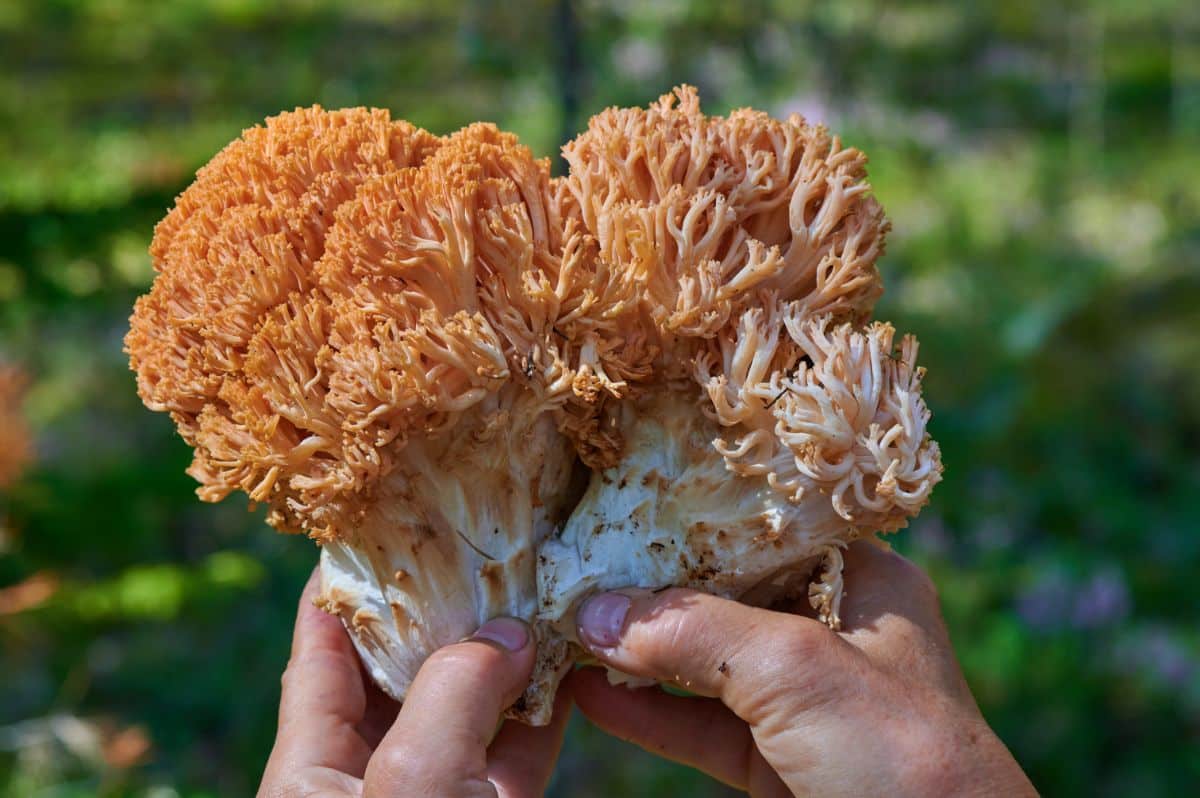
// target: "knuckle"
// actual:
[[800, 663], [805, 642], [902, 576], [396, 762], [795, 653], [916, 579], [397, 769], [288, 676]]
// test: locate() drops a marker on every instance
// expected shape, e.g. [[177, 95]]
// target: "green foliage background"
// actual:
[[1039, 161]]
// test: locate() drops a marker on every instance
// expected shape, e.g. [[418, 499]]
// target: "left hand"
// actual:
[[340, 736]]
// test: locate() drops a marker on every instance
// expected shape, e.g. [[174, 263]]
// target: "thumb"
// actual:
[[707, 645], [438, 744]]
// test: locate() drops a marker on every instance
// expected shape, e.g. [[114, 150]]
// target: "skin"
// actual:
[[340, 736], [781, 705], [785, 706]]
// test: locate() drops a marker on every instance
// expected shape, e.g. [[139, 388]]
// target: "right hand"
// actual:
[[790, 707]]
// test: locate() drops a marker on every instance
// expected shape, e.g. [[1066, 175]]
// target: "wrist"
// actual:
[[972, 761]]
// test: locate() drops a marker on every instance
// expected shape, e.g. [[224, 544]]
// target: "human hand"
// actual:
[[791, 707], [339, 735]]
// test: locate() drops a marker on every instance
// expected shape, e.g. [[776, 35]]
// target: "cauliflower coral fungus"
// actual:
[[774, 427], [410, 346], [351, 323]]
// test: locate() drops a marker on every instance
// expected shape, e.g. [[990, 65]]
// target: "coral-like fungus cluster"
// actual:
[[418, 348]]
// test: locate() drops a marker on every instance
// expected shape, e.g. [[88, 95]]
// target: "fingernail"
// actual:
[[508, 632], [601, 619]]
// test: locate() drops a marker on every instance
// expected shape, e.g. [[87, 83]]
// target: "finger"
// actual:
[[322, 698], [879, 583], [699, 732], [438, 744], [521, 758], [711, 646]]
